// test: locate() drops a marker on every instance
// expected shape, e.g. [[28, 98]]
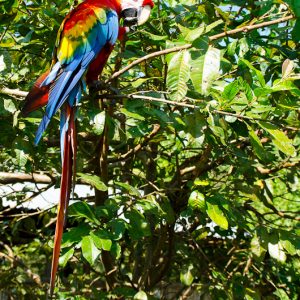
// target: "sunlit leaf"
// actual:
[[178, 75], [186, 276], [101, 240], [140, 296], [205, 69], [190, 35], [99, 122], [276, 251], [89, 251], [217, 215], [93, 180], [197, 201], [280, 140]]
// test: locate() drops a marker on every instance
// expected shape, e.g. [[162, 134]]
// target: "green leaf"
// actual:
[[93, 180], [231, 90], [74, 235], [21, 150], [252, 295], [197, 201], [199, 182], [295, 5], [101, 240], [89, 251], [116, 250], [186, 276], [280, 140], [130, 114], [195, 122], [21, 157], [288, 242], [9, 106], [212, 25], [257, 145], [141, 295], [83, 210], [178, 75], [296, 31], [132, 190], [258, 73], [202, 44], [154, 37], [243, 47], [65, 257], [190, 35], [281, 294], [168, 209], [257, 249], [138, 226], [137, 83], [289, 247], [205, 69], [118, 228], [276, 251], [99, 122], [216, 215]]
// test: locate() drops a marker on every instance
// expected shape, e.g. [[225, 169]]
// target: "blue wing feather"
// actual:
[[66, 80]]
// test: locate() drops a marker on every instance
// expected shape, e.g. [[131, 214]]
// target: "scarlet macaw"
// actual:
[[84, 42]]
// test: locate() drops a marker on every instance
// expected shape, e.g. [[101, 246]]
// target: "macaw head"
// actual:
[[136, 12]]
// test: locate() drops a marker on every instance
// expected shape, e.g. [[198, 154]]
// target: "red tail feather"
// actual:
[[37, 97], [65, 190]]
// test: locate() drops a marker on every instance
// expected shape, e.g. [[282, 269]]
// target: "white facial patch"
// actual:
[[131, 4]]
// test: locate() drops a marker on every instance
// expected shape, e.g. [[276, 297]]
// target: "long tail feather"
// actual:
[[68, 142]]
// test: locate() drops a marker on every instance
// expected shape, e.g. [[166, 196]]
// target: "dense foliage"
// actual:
[[194, 156]]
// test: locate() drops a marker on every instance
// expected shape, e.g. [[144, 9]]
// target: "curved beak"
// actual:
[[144, 14]]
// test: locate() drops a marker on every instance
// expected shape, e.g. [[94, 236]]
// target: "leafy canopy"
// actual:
[[193, 155]]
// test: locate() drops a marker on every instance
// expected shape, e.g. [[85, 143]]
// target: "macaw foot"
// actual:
[[97, 85]]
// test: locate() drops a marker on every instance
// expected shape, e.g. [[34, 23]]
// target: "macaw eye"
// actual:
[[130, 16]]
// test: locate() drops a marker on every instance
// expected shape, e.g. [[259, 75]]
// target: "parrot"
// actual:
[[84, 42]]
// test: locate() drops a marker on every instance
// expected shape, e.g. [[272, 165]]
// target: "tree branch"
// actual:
[[9, 178], [281, 167], [13, 92], [211, 38]]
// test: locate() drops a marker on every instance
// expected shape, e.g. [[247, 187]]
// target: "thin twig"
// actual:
[[137, 148], [188, 105]]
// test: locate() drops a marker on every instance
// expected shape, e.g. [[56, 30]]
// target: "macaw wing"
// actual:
[[82, 35]]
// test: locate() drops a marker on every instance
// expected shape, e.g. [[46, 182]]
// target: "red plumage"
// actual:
[[37, 97]]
